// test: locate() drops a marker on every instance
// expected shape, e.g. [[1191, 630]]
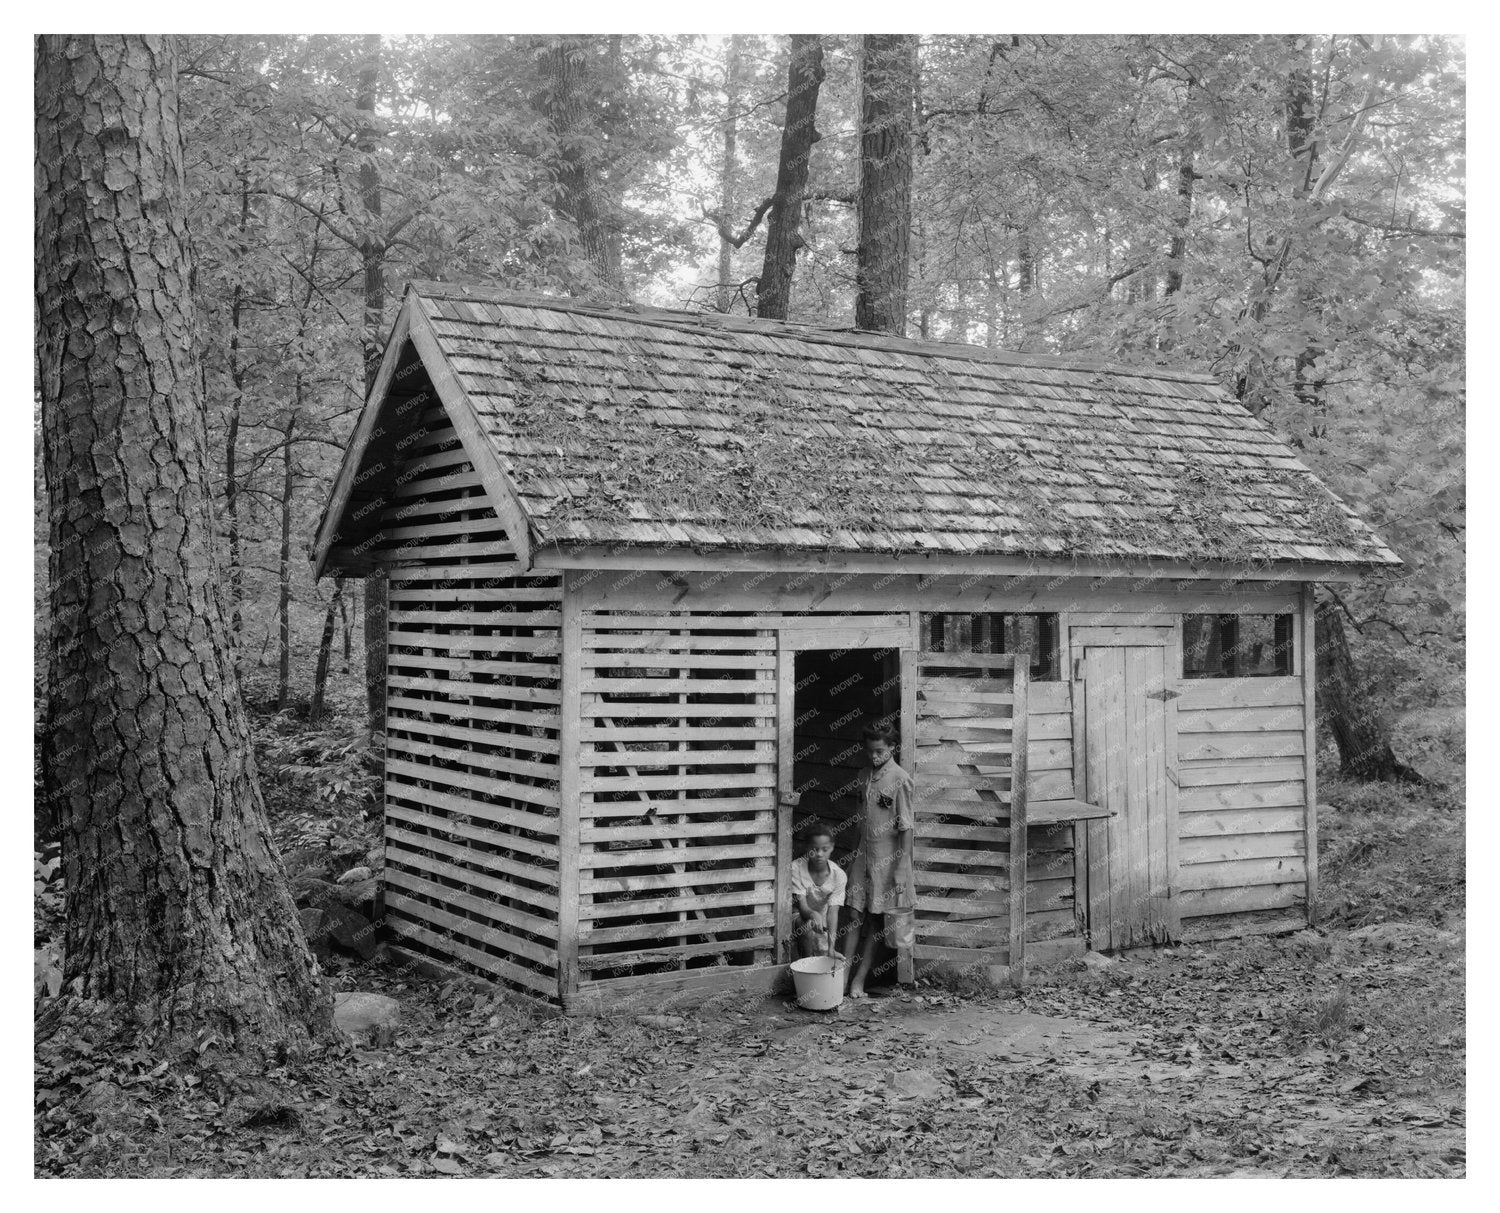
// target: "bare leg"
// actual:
[[870, 930]]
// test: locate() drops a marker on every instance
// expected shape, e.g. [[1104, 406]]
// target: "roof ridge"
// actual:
[[800, 330]]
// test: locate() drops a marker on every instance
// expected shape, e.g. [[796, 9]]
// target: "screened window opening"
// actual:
[[1236, 646], [1032, 634]]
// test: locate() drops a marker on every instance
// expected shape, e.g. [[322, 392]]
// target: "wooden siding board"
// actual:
[[1307, 644]]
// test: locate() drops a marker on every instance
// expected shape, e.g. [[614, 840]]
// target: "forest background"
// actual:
[[1286, 211]]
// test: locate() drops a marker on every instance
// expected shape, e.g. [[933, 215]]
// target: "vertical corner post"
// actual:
[[1309, 647], [1018, 842], [569, 779], [906, 967]]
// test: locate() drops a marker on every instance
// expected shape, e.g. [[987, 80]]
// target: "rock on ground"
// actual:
[[367, 1016], [916, 1084], [1391, 936]]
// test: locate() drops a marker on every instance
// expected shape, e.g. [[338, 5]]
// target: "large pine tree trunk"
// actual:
[[232, 430], [887, 77], [177, 902], [798, 134], [1363, 740]]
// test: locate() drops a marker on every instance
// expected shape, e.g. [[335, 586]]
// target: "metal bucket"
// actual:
[[819, 981]]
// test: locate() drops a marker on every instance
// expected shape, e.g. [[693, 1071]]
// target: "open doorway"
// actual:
[[837, 693]]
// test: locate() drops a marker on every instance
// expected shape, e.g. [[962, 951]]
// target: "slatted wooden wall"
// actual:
[[473, 714], [1050, 886], [1242, 802], [1050, 872], [677, 841], [969, 719]]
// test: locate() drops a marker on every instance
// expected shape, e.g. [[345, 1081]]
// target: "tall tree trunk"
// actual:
[[284, 593], [1301, 145], [177, 902], [325, 648], [232, 434], [728, 180], [773, 294], [1177, 253], [564, 66], [374, 331], [1343, 697], [887, 77]]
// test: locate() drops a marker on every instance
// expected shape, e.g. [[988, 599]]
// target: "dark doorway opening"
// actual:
[[837, 693]]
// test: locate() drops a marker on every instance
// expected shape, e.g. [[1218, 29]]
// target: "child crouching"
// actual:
[[818, 886]]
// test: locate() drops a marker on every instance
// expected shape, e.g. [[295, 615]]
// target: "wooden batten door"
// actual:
[[1127, 687], [969, 849]]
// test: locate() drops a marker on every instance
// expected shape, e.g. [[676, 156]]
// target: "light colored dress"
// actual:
[[885, 806]]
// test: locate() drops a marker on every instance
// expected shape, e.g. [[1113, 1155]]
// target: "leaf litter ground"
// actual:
[[1333, 1052]]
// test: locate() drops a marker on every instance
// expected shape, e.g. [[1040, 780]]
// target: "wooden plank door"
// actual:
[[967, 715], [1129, 766]]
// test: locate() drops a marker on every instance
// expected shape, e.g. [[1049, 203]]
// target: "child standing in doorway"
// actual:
[[818, 886], [880, 881]]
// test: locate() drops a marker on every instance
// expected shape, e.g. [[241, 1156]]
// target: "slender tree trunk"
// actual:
[[728, 193], [1177, 254], [284, 595], [887, 77], [325, 648], [773, 296], [374, 332], [1343, 697], [564, 66], [1301, 145], [177, 902], [1026, 284], [993, 299], [344, 622]]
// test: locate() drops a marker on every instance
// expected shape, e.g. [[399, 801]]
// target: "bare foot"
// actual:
[[856, 991]]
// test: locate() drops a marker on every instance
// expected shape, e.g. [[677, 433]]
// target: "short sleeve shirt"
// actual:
[[829, 893]]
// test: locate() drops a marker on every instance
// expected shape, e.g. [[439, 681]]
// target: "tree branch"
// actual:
[[726, 233]]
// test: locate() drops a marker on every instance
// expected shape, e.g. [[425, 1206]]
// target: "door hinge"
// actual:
[[1078, 669], [1165, 695]]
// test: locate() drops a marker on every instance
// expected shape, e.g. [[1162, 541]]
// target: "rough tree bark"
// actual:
[[887, 76], [178, 906], [563, 63], [232, 430], [1363, 740], [773, 296], [373, 254]]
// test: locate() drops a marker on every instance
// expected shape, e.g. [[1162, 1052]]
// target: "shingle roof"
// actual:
[[646, 426]]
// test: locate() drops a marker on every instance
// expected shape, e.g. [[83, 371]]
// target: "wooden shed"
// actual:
[[650, 571]]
